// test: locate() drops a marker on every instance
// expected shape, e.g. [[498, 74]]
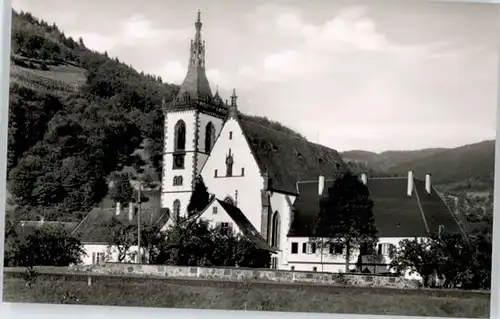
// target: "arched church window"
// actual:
[[177, 209], [275, 231], [209, 137], [229, 200], [180, 135], [229, 165]]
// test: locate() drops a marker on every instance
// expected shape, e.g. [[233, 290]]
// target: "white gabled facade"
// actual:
[[216, 215], [244, 182]]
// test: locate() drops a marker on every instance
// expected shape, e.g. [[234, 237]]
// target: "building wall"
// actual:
[[244, 189], [215, 214], [110, 253], [195, 157], [322, 260], [281, 205]]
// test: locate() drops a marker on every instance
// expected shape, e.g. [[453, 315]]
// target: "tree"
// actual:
[[47, 246], [199, 198], [415, 256], [122, 237], [346, 217], [152, 240]]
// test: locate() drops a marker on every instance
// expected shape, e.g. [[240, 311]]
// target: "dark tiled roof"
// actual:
[[288, 159], [93, 228], [396, 214], [245, 226]]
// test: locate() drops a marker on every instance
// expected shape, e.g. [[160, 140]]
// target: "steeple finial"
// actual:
[[233, 98], [233, 108], [196, 82]]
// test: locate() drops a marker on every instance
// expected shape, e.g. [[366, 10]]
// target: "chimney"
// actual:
[[410, 183], [364, 178], [428, 183], [130, 211], [321, 185], [118, 208]]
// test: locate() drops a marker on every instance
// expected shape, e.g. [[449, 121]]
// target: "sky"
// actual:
[[349, 74]]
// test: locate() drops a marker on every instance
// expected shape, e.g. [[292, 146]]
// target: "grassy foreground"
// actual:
[[241, 296]]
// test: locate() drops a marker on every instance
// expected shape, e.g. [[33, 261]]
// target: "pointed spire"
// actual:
[[195, 85], [233, 108], [233, 98]]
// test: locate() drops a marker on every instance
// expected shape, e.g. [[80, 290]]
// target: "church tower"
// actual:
[[193, 120]]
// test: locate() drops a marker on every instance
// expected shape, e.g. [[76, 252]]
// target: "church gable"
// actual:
[[231, 156]]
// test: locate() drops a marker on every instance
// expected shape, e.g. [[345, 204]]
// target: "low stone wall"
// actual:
[[241, 274]]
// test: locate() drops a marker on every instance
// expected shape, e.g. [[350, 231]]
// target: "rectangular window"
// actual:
[[242, 171], [309, 248], [230, 135], [214, 210], [225, 227], [93, 258], [315, 269], [295, 248], [99, 258], [384, 249], [292, 268], [215, 173]]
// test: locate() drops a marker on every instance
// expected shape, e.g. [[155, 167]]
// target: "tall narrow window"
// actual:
[[230, 135], [295, 248], [275, 232], [242, 171], [180, 136], [177, 209], [229, 164], [209, 137], [215, 173]]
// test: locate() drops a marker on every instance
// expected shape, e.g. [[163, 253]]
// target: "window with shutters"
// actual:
[[385, 249], [225, 227], [309, 248]]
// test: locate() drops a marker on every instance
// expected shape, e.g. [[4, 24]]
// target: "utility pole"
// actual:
[[139, 225]]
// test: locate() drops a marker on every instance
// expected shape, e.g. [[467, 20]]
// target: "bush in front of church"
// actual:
[[194, 243]]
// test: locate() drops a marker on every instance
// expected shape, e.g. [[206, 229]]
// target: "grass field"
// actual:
[[250, 296]]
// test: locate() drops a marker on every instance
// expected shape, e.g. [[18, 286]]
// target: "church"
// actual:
[[267, 184]]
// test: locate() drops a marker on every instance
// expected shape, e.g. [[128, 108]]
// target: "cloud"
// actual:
[[172, 72], [133, 31], [314, 49]]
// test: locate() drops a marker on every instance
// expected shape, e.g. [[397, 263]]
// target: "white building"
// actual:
[[276, 179]]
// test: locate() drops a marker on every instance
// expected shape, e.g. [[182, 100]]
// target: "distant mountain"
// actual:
[[468, 167]]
